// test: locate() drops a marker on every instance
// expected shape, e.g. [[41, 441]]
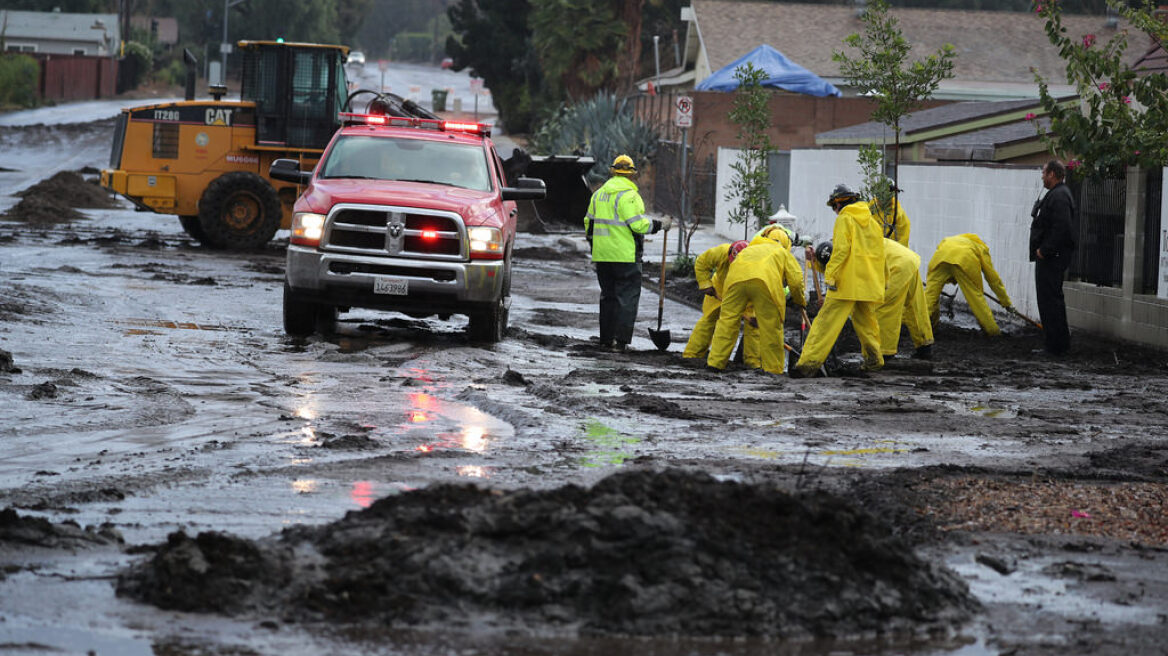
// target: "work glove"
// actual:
[[663, 224]]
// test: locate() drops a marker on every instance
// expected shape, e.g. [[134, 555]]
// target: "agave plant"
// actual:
[[602, 127]]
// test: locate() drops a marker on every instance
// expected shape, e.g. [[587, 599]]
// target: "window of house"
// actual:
[[79, 51]]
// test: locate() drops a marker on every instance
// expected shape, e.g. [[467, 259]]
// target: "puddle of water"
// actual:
[[610, 445], [983, 410]]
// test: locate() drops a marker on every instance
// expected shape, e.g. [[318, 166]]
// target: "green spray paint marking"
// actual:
[[609, 443]]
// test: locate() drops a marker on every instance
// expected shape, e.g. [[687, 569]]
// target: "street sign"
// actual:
[[683, 112], [383, 64], [476, 84]]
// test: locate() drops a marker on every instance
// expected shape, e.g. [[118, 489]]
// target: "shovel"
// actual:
[[661, 338], [1014, 311]]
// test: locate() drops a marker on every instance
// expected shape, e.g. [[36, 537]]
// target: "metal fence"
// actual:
[[1099, 232], [667, 183], [1098, 227], [1151, 269]]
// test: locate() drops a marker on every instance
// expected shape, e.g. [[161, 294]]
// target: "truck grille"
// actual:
[[394, 231]]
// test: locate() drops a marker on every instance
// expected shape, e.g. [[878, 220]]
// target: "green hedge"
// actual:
[[18, 81]]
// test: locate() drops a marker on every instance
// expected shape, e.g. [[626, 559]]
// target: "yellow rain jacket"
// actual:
[[616, 221], [904, 300], [855, 271], [756, 278], [898, 231], [964, 259], [710, 271], [856, 278]]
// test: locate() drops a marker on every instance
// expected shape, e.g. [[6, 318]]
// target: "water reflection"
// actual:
[[361, 493], [305, 486], [475, 471]]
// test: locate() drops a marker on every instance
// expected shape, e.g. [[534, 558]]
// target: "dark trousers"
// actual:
[[1052, 309], [620, 292]]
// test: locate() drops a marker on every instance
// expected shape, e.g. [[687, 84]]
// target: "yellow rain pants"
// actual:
[[827, 326], [768, 338], [904, 300], [964, 259]]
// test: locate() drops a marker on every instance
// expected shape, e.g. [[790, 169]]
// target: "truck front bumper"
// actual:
[[431, 287]]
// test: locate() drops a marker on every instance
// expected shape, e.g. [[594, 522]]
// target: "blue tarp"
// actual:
[[781, 72]]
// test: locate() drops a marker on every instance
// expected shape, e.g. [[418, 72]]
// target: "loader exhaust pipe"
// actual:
[[192, 69]]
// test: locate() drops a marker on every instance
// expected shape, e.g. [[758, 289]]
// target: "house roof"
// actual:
[[990, 45], [59, 26], [928, 123], [1155, 60], [991, 144]]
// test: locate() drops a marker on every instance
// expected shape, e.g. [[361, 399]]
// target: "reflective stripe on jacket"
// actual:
[[616, 220]]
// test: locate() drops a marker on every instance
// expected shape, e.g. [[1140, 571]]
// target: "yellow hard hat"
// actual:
[[778, 233], [623, 164]]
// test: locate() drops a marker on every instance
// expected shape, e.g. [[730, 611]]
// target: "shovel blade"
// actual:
[[661, 338]]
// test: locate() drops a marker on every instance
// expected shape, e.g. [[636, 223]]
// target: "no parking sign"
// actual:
[[683, 112]]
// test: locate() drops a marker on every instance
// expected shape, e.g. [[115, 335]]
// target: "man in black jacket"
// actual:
[[1051, 244]]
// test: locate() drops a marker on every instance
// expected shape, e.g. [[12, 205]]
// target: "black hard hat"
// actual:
[[841, 192], [823, 252]]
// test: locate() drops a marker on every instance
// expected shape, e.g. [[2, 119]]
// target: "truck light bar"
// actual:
[[350, 118]]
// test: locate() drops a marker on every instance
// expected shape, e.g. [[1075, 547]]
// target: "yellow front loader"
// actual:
[[207, 161]]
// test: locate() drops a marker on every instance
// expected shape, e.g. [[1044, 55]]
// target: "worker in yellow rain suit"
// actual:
[[710, 272], [855, 280], [904, 302], [896, 224], [756, 278], [964, 259]]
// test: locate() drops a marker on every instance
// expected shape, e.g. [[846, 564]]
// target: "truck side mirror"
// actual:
[[288, 170], [524, 189]]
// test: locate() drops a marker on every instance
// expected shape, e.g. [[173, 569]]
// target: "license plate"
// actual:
[[393, 286]]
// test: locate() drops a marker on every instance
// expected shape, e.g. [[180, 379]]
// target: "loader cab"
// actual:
[[298, 89]]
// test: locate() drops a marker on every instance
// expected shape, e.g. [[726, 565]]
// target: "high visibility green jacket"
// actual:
[[616, 221]]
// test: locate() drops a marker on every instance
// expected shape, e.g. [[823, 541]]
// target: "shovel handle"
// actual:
[[661, 293]]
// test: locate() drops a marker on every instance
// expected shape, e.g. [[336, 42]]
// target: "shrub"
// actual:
[[144, 60], [602, 127], [18, 80]]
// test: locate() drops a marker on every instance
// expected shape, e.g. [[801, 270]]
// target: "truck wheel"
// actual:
[[192, 227], [239, 210], [299, 315], [490, 326]]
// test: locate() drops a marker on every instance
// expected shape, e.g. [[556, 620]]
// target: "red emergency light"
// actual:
[[350, 118], [429, 234]]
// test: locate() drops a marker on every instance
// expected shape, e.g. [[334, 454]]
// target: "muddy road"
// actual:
[[179, 477]]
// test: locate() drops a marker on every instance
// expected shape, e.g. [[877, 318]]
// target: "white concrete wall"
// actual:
[[940, 201]]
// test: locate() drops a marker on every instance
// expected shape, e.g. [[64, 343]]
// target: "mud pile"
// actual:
[[53, 200], [641, 553], [17, 531]]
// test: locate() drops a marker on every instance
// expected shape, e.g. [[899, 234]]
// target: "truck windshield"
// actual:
[[415, 160]]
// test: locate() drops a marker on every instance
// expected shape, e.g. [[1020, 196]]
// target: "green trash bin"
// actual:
[[438, 100]]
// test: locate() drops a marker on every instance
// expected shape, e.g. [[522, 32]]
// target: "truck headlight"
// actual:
[[486, 243], [307, 228]]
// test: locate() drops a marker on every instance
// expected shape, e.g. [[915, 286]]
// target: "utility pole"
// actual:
[[225, 46]]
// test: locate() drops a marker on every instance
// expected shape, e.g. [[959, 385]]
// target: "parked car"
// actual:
[[356, 57], [447, 63]]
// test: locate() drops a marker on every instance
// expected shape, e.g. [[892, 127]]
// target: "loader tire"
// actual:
[[239, 211]]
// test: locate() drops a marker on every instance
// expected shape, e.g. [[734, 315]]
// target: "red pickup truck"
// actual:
[[403, 214]]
